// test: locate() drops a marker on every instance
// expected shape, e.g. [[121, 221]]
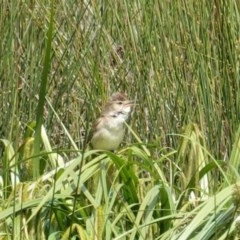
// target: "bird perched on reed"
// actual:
[[108, 130]]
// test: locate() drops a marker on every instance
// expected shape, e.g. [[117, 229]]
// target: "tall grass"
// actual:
[[176, 175]]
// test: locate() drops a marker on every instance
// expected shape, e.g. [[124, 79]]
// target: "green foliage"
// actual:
[[177, 174], [42, 95]]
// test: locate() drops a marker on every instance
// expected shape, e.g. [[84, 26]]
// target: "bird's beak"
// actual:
[[130, 103]]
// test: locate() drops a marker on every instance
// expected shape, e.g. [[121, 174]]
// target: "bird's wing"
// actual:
[[93, 128]]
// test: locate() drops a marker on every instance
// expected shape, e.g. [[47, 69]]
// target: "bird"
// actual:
[[108, 130]]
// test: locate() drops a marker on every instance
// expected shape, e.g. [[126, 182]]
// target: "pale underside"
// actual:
[[108, 137], [106, 140]]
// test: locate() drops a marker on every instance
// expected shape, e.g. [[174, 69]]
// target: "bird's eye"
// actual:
[[114, 115], [120, 103]]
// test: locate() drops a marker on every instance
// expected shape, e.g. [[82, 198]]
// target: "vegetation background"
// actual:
[[176, 175]]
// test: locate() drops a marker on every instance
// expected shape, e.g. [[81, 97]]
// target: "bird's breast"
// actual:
[[108, 138]]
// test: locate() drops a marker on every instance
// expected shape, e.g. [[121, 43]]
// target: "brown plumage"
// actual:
[[108, 130]]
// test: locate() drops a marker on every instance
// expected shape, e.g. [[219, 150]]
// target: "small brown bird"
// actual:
[[108, 131]]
